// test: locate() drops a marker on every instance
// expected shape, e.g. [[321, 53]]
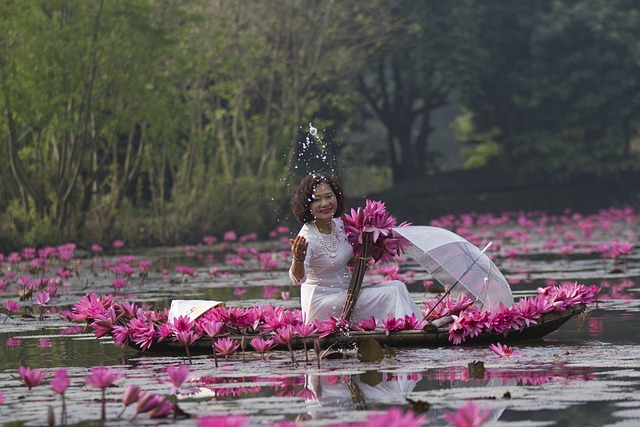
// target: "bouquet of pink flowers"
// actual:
[[369, 232]]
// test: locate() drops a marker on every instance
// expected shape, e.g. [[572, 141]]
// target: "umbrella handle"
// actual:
[[458, 281]]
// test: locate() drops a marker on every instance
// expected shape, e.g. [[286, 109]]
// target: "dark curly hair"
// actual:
[[303, 196]]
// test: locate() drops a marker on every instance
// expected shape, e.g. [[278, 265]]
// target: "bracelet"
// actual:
[[298, 259]]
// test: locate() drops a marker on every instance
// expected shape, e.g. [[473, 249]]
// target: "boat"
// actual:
[[455, 322], [433, 335]]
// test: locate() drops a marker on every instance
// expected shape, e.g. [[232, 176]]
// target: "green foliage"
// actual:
[[482, 154], [485, 147], [162, 121], [42, 233], [560, 156], [241, 205], [428, 52], [562, 88], [20, 228]]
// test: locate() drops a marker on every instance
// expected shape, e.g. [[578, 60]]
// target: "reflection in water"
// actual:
[[595, 326], [460, 376], [375, 389], [355, 391], [616, 291], [373, 386]]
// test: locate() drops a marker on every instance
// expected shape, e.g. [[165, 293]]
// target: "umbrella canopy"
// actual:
[[450, 258]]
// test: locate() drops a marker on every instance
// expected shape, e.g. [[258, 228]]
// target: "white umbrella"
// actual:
[[459, 265]]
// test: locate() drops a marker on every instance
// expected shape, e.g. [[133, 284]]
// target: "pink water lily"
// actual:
[[303, 330], [42, 298], [119, 283], [142, 330], [104, 322], [389, 272], [226, 346], [377, 220], [392, 324], [162, 410], [504, 350], [102, 377], [457, 332], [59, 385], [185, 271], [130, 396], [181, 324], [11, 306], [148, 402], [262, 345], [30, 377], [283, 336], [177, 376], [412, 322], [369, 324], [331, 325], [186, 338], [211, 328], [230, 236], [469, 415], [60, 381]]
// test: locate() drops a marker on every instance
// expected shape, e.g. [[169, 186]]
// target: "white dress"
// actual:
[[326, 280]]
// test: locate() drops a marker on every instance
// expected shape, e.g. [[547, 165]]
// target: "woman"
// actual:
[[321, 254]]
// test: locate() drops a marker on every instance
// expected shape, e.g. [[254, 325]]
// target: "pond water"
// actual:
[[585, 373]]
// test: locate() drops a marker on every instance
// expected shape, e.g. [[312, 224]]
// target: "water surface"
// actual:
[[586, 373]]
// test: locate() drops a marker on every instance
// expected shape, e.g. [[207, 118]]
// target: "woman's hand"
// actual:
[[299, 248]]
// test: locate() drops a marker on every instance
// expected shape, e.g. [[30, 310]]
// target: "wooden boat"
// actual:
[[433, 336]]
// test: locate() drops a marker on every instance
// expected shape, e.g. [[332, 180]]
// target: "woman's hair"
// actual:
[[303, 196]]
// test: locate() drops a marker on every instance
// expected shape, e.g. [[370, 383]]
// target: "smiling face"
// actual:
[[324, 204], [303, 197]]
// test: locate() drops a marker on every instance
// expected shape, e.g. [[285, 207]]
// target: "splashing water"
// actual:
[[314, 155]]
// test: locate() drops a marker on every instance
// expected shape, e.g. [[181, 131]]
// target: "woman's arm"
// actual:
[[299, 250]]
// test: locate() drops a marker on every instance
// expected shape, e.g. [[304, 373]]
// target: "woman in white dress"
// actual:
[[322, 253]]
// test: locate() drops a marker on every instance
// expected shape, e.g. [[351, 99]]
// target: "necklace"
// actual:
[[332, 248]]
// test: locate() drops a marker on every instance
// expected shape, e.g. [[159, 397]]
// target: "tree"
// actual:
[[77, 104], [258, 73], [428, 51], [562, 91]]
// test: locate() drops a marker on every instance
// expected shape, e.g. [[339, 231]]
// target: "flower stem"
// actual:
[[355, 285], [103, 414], [293, 357], [306, 353], [63, 415], [186, 347]]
